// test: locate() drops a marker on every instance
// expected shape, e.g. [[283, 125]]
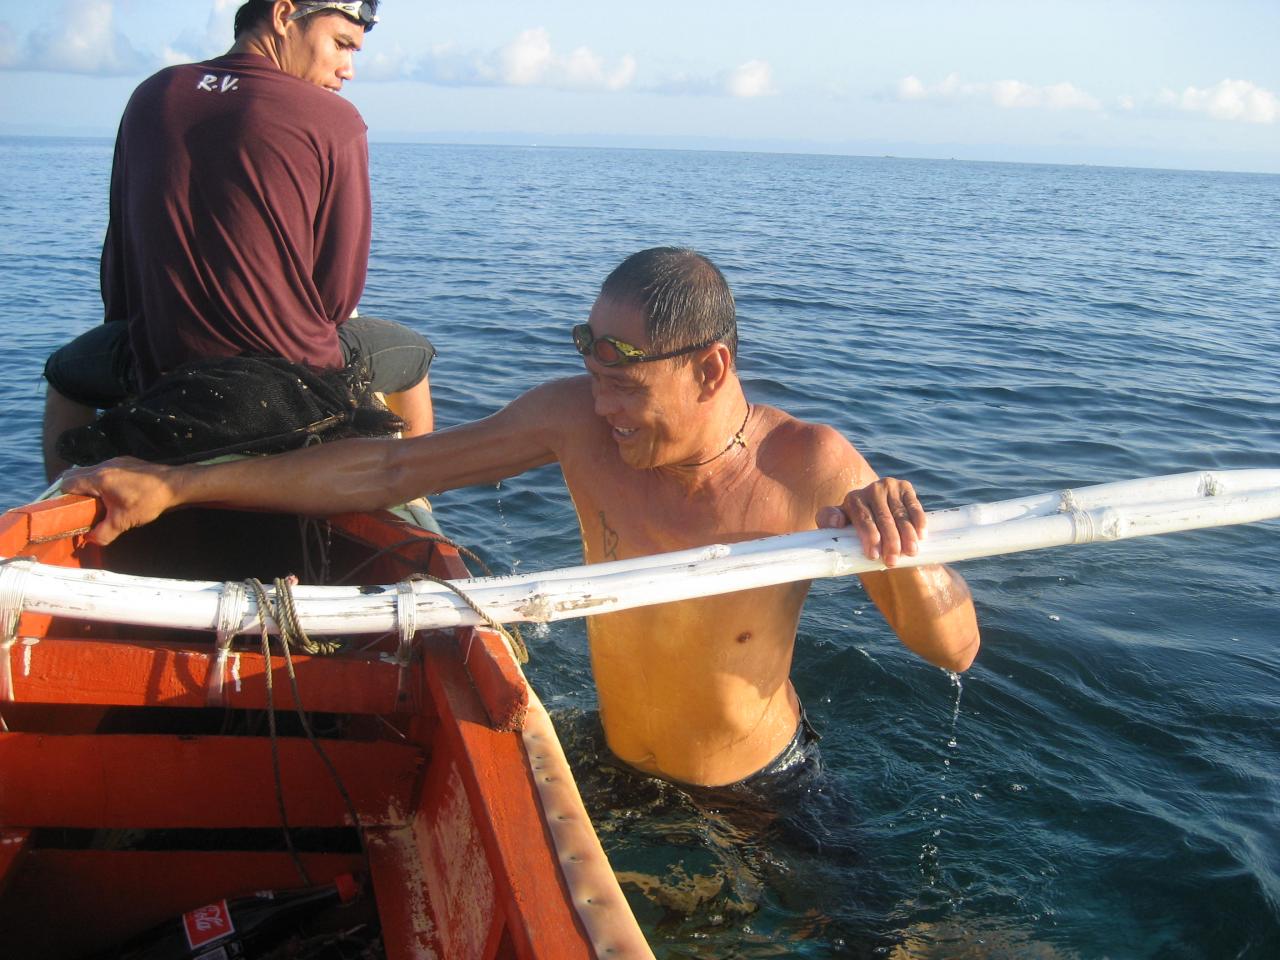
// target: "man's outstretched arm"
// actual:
[[339, 477]]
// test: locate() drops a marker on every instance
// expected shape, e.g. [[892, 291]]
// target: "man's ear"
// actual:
[[280, 13], [712, 367]]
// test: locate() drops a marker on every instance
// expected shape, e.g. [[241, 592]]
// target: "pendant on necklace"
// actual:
[[739, 439]]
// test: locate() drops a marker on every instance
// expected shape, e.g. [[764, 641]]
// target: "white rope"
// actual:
[[406, 620], [407, 626], [233, 603], [13, 588]]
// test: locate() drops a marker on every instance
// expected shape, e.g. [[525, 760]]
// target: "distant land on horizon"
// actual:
[[1063, 155]]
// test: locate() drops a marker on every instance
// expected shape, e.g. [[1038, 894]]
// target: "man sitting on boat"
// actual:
[[660, 450], [240, 223]]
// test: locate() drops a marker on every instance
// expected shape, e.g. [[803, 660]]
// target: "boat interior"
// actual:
[[142, 777]]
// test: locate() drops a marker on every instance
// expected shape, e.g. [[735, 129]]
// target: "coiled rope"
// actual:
[[292, 634], [513, 638]]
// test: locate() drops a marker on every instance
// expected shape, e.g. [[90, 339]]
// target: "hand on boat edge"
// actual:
[[132, 492]]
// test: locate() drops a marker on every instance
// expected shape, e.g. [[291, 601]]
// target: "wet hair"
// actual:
[[256, 11], [250, 15], [684, 296]]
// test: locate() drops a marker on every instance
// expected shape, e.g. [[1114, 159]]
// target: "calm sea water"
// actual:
[[1105, 781]]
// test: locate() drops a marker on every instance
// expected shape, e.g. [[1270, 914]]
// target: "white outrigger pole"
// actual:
[[1109, 511]]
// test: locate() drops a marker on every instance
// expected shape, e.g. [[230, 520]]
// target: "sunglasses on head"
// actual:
[[612, 352], [362, 13]]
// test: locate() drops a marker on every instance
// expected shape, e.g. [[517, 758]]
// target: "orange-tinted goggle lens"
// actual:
[[606, 351]]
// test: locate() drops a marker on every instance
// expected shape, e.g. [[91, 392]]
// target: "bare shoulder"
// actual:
[[565, 389], [559, 402], [557, 412], [810, 455], [547, 398]]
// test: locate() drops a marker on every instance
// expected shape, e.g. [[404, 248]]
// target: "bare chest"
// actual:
[[625, 513]]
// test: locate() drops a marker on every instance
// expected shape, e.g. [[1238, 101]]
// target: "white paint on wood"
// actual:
[[1105, 512], [598, 899]]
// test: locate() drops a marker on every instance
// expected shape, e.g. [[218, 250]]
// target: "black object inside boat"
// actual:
[[246, 404]]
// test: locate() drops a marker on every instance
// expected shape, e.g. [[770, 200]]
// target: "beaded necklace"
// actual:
[[737, 440]]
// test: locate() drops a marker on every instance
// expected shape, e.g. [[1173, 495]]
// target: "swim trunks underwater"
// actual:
[[780, 783], [779, 786]]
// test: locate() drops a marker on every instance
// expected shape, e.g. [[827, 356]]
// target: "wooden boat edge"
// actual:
[[53, 532]]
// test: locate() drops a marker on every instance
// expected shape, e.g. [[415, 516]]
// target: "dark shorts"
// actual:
[[96, 368], [780, 783], [778, 788]]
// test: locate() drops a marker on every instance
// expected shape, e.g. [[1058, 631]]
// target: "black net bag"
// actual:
[[208, 408]]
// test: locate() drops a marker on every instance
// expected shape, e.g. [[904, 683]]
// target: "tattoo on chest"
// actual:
[[609, 538]]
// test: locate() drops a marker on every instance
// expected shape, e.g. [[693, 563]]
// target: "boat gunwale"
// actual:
[[55, 530]]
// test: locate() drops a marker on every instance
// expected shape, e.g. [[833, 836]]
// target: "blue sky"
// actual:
[[1128, 82]]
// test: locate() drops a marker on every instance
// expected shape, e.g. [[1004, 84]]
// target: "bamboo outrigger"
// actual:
[[1104, 512]]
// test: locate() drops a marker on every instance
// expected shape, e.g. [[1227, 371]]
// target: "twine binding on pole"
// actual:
[[232, 604], [407, 626], [14, 574]]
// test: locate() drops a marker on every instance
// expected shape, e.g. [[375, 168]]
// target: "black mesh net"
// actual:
[[208, 408]]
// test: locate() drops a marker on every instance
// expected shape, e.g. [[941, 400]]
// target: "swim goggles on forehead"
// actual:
[[612, 352], [362, 13]]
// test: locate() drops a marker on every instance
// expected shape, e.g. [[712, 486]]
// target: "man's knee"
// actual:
[[95, 369], [61, 414], [414, 407], [396, 359]]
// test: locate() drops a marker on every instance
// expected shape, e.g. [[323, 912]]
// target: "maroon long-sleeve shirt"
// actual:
[[240, 216]]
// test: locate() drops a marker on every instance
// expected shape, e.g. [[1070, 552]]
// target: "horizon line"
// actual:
[[944, 153]]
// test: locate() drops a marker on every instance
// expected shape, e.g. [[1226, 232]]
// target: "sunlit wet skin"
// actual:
[[695, 691], [682, 696]]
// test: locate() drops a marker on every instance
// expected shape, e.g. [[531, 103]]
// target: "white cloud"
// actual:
[[382, 63], [214, 40], [446, 65], [172, 55], [911, 88], [753, 79], [1007, 94], [1228, 100], [526, 59], [8, 46], [81, 38], [530, 60]]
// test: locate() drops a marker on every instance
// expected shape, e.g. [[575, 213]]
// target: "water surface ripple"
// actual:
[[1105, 781]]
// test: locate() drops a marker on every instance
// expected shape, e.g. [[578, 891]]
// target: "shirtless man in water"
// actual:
[[660, 450]]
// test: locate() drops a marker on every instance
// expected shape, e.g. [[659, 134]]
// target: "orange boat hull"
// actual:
[[125, 799]]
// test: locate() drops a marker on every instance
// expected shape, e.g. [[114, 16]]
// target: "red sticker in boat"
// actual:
[[207, 924]]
